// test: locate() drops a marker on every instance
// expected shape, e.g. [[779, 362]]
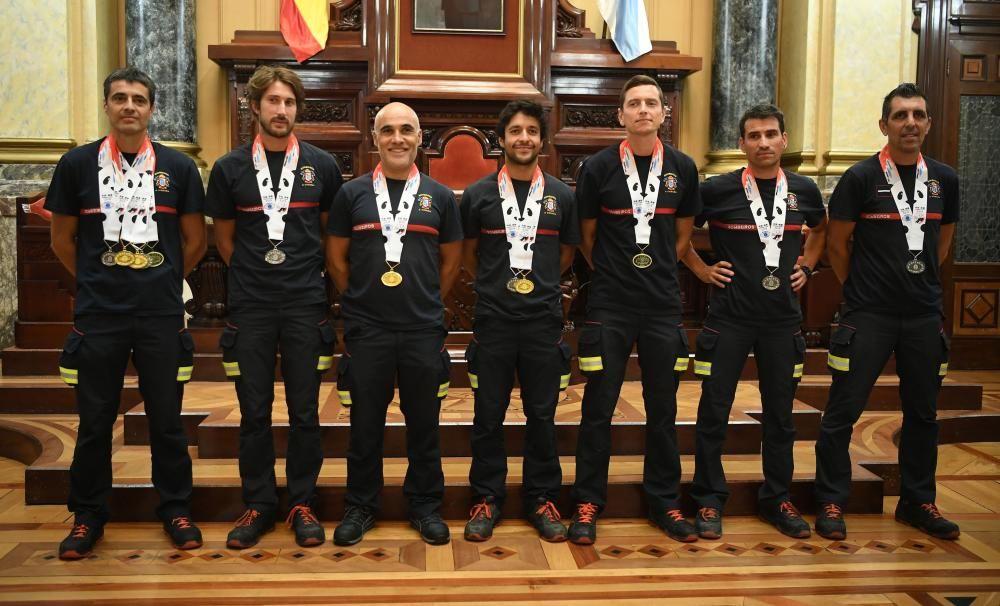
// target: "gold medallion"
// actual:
[[124, 258], [139, 261], [642, 260], [524, 286], [392, 279]]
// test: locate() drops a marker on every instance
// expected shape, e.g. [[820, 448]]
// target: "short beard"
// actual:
[[267, 129], [513, 159]]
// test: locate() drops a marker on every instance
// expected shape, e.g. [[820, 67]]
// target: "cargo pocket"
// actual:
[[565, 355], [69, 360], [589, 350], [471, 366], [800, 356], [185, 360], [227, 342], [344, 384], [705, 352], [327, 343], [682, 361], [839, 357], [444, 377], [945, 349]]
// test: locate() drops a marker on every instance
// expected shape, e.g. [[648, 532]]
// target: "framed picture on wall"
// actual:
[[458, 16]]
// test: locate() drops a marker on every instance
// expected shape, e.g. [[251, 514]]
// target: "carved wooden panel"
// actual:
[[346, 16], [977, 308], [974, 68]]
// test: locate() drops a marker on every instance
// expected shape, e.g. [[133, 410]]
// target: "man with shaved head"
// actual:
[[394, 249]]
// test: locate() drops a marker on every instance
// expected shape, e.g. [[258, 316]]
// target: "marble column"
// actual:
[[160, 40], [744, 72]]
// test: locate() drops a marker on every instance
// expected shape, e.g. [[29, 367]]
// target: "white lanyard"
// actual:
[[769, 232], [126, 193], [521, 228], [394, 226], [643, 200], [913, 219], [275, 207]]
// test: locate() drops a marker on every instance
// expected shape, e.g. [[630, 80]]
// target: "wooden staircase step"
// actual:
[[49, 395]]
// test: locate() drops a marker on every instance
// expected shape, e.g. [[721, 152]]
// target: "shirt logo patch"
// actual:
[[934, 188], [670, 183], [161, 181], [425, 203], [308, 176], [792, 201], [549, 205]]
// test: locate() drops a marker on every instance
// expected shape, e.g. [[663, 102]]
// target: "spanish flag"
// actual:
[[305, 25]]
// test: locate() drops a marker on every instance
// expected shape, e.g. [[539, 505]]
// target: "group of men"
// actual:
[[128, 224]]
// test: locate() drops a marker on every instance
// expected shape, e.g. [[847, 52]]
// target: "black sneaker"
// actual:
[[183, 533], [80, 541], [708, 523], [483, 517], [787, 520], [926, 517], [673, 523], [583, 528], [830, 522], [308, 530], [545, 518], [432, 529], [249, 528], [357, 521]]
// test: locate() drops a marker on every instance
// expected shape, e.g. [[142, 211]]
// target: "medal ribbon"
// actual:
[[394, 226], [769, 232], [913, 219], [275, 207], [521, 229], [126, 193], [643, 201]]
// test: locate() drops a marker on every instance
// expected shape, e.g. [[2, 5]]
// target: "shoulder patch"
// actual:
[[792, 201], [670, 183], [161, 181], [425, 202], [934, 188], [307, 175], [549, 205]]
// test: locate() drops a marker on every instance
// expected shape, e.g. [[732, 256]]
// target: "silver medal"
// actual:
[[108, 258], [771, 282], [275, 256], [915, 266]]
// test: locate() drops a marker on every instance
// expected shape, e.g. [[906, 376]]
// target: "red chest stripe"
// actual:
[[895, 216], [260, 209], [628, 211], [424, 229], [749, 226]]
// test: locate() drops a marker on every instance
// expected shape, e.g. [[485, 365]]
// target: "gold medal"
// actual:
[[392, 278], [524, 286], [124, 258], [642, 260], [155, 259], [139, 261]]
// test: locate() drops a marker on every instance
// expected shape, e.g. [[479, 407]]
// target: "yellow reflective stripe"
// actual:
[[443, 389], [701, 367], [838, 363], [591, 364], [797, 371], [232, 368], [943, 370], [473, 381], [184, 373], [324, 363], [345, 397], [681, 364], [69, 375], [564, 381]]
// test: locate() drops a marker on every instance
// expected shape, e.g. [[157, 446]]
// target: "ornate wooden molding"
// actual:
[[346, 16], [570, 21], [34, 151], [327, 111]]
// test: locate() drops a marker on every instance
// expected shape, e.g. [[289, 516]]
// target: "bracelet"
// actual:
[[808, 271]]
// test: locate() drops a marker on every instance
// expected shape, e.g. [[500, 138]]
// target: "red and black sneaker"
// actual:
[[926, 517], [183, 533], [308, 531], [786, 518], [708, 523], [483, 517], [80, 541], [249, 528], [673, 523], [830, 522], [545, 518], [583, 528]]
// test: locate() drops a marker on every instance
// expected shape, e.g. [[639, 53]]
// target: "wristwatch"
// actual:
[[808, 271]]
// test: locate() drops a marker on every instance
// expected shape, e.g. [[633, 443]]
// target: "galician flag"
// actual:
[[305, 25], [628, 25]]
